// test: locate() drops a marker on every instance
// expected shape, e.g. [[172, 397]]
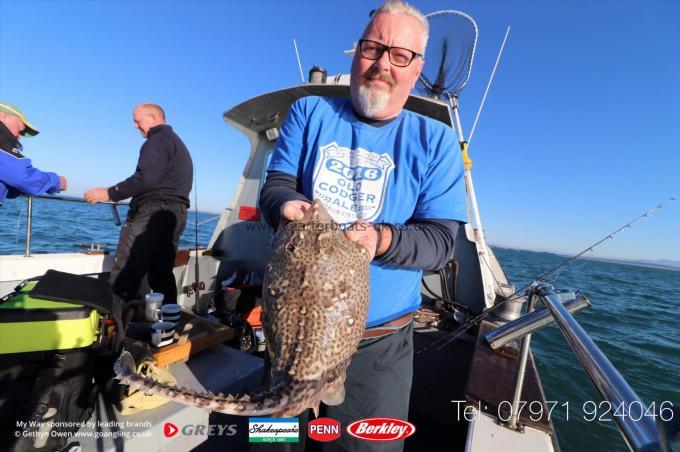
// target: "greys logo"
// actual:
[[210, 430]]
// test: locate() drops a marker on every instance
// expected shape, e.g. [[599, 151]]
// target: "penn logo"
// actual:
[[323, 429], [170, 429], [381, 429]]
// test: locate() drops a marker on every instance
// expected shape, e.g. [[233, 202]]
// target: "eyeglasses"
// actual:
[[398, 56]]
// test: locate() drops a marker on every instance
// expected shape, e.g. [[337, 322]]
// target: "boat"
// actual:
[[476, 386]]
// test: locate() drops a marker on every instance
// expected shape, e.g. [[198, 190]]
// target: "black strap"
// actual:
[[70, 288], [15, 292]]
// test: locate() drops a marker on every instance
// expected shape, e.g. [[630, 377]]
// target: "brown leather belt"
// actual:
[[388, 328]]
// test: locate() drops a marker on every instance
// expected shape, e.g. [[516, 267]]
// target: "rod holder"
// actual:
[[533, 321], [513, 422], [638, 429]]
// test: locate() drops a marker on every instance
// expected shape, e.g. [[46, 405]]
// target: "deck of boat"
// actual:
[[440, 377]]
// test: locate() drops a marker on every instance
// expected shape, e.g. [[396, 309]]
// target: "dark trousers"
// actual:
[[147, 246], [378, 385]]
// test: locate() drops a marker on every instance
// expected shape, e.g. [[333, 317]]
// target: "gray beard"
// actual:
[[371, 101]]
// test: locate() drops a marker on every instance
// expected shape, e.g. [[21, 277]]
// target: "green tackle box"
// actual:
[[30, 324], [50, 339]]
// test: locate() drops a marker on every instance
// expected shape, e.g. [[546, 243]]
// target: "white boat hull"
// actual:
[[15, 268]]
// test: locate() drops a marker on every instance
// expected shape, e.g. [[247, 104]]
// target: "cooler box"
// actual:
[[50, 330], [30, 324]]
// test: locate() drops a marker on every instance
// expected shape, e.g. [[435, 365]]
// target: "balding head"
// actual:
[[146, 116], [380, 88]]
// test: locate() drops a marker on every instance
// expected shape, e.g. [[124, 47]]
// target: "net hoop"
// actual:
[[455, 83]]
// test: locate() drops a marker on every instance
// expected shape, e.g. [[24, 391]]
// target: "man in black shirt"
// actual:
[[160, 190]]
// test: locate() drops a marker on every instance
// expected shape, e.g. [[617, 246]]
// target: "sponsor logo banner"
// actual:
[[381, 429], [323, 429], [273, 430]]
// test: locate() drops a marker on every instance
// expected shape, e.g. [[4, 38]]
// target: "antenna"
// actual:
[[488, 85], [297, 54], [351, 51]]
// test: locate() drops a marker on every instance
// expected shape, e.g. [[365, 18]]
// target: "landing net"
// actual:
[[449, 54]]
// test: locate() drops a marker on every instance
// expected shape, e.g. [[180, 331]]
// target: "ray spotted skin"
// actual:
[[315, 303]]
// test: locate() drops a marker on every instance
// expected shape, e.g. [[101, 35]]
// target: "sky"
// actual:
[[579, 134]]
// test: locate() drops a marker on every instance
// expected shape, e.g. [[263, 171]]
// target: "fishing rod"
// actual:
[[450, 337], [209, 219]]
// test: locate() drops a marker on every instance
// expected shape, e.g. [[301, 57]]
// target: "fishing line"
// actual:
[[196, 272], [573, 266], [491, 272], [449, 337], [209, 219], [16, 236]]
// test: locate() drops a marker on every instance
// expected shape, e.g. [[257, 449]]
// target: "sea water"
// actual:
[[62, 226], [634, 318]]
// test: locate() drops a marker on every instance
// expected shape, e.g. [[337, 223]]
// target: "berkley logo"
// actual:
[[381, 429], [324, 429]]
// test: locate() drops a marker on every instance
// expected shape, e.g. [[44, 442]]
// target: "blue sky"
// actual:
[[579, 134]]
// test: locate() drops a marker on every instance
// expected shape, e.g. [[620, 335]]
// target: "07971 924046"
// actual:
[[589, 411]]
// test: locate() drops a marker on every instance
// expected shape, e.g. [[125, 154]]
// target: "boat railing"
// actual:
[[29, 213], [637, 426]]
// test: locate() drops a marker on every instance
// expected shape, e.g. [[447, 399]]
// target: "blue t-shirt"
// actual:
[[410, 168]]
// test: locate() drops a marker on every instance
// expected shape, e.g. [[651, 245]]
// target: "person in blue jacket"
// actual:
[[17, 175]]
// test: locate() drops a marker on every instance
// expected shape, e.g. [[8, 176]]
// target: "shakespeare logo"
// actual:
[[273, 430]]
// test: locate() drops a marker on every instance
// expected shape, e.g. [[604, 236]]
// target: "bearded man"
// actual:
[[396, 178]]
